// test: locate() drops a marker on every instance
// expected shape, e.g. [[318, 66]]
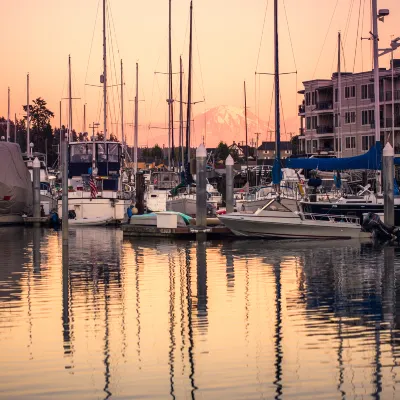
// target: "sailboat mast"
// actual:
[[339, 147], [69, 100], [189, 97], [277, 91], [170, 94], [245, 122], [104, 80], [28, 119], [136, 138], [122, 108], [181, 110]]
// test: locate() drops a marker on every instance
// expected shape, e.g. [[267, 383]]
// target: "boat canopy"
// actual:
[[372, 159]]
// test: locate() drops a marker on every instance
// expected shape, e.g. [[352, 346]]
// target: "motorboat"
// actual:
[[276, 220], [159, 188], [98, 163], [15, 185]]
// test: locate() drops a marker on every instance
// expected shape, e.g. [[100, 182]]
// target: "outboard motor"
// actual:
[[381, 231]]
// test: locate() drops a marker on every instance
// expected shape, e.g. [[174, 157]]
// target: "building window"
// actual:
[[350, 117], [364, 117], [314, 145], [308, 102], [350, 142], [314, 122], [371, 116], [371, 90], [308, 123], [367, 142], [308, 146], [336, 95], [336, 120], [313, 98], [364, 92], [349, 92], [338, 144]]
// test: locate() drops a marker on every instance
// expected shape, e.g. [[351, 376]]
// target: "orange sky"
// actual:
[[38, 36]]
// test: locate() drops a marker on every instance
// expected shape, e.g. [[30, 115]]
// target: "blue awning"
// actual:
[[370, 160]]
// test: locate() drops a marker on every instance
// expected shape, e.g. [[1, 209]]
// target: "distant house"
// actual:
[[267, 150]]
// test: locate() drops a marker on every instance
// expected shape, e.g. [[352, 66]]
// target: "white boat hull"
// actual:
[[183, 205], [250, 225], [99, 221], [86, 208]]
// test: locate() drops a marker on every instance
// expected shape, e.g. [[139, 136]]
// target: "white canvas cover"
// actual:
[[15, 181]]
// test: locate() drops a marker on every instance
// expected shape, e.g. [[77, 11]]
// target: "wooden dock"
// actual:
[[187, 232]]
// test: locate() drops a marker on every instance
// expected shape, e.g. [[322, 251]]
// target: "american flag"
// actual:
[[93, 187]]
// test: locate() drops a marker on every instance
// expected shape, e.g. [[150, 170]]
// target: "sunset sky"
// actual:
[[38, 36]]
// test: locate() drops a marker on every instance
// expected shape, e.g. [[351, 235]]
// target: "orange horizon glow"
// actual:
[[227, 45]]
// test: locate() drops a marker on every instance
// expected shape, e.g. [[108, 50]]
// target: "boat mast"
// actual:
[[8, 117], [245, 122], [28, 120], [15, 128], [171, 150], [69, 100], [189, 97], [104, 76], [277, 97], [122, 108], [375, 39], [136, 138], [181, 111], [339, 147]]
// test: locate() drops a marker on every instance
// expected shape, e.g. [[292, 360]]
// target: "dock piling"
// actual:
[[229, 184], [36, 189], [388, 183]]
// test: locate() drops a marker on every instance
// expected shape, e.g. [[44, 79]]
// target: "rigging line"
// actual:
[[283, 115], [186, 34], [262, 34], [358, 27], [270, 107], [91, 45], [327, 33], [113, 25], [347, 27], [198, 55], [344, 57], [333, 69], [290, 36]]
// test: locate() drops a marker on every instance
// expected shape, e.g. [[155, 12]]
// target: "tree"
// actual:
[[222, 151], [295, 144], [40, 115], [113, 138], [157, 152]]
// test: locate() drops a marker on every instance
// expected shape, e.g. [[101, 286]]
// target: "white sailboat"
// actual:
[[95, 187]]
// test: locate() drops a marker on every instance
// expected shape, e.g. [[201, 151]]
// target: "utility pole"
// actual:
[[136, 138], [28, 120]]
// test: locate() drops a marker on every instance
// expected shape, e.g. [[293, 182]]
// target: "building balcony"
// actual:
[[324, 129], [302, 109], [396, 95], [396, 122], [324, 105], [381, 97], [382, 123], [301, 131]]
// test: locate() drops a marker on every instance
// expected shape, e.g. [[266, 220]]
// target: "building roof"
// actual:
[[271, 146]]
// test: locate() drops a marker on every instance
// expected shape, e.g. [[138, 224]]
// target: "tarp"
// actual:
[[370, 160], [276, 172], [15, 181]]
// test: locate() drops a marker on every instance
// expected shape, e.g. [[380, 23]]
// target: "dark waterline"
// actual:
[[160, 319]]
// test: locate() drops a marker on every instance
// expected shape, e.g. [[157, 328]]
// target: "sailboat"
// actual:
[[277, 220], [95, 187]]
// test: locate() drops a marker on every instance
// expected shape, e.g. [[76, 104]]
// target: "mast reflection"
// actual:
[[67, 341], [171, 356], [278, 331], [202, 298]]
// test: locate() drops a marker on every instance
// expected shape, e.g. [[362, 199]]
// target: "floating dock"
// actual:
[[187, 232]]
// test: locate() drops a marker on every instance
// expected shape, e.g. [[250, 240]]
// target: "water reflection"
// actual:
[[298, 319]]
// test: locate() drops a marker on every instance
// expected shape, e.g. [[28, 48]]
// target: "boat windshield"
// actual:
[[164, 180], [81, 153], [274, 205]]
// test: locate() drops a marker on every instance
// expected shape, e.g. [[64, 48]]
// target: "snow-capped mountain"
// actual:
[[227, 124]]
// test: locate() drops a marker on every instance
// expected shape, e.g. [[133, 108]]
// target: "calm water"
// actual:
[[158, 319]]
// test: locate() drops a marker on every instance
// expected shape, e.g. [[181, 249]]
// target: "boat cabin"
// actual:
[[105, 156]]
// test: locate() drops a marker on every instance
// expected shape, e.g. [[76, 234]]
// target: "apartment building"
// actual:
[[322, 123]]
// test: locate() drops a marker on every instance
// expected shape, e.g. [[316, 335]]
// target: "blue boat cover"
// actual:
[[370, 160]]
